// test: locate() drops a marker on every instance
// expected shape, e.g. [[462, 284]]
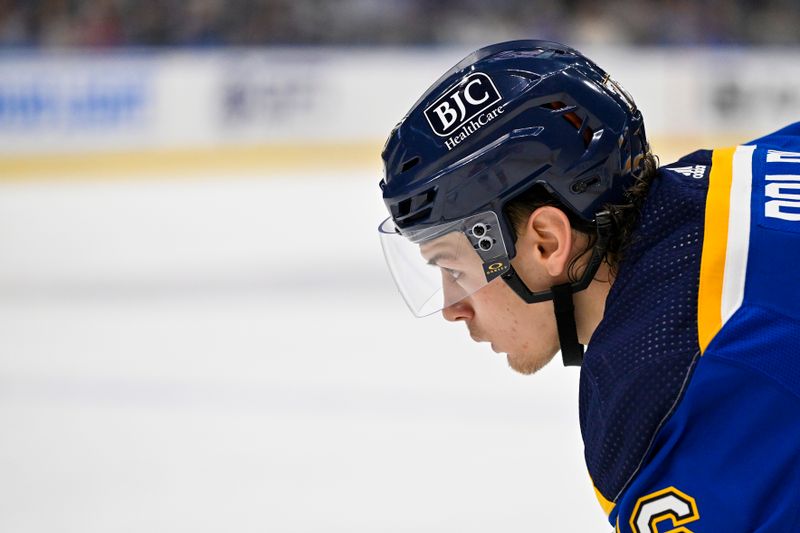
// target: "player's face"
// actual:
[[526, 333]]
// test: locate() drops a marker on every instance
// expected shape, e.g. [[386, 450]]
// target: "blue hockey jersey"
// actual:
[[690, 387]]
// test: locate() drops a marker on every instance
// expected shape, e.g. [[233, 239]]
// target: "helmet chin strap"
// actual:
[[571, 348], [563, 306]]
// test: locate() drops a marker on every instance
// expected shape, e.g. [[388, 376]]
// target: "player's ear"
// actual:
[[548, 234]]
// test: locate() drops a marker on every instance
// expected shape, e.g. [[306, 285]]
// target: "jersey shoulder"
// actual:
[[752, 231], [749, 293]]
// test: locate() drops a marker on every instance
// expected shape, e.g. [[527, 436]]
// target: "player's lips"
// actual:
[[478, 338], [475, 336]]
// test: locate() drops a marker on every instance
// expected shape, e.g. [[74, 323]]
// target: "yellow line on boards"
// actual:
[[298, 157]]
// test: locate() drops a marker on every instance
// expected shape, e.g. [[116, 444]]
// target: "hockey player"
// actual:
[[525, 202]]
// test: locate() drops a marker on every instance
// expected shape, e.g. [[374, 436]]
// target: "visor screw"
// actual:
[[485, 244], [479, 230]]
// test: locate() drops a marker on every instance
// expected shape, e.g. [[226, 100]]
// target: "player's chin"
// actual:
[[526, 364], [522, 364]]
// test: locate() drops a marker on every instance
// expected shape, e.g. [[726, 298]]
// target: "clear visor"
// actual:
[[439, 266]]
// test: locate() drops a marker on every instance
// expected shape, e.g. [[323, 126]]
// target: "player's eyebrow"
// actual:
[[439, 256]]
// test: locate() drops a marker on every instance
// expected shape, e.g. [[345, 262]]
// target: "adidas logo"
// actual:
[[696, 171]]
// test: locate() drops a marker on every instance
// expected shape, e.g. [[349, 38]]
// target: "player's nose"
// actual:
[[461, 310]]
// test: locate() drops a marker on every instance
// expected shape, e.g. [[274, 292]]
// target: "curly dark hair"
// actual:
[[625, 216]]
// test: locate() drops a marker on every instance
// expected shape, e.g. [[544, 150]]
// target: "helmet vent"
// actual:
[[555, 106], [409, 164], [412, 210], [570, 116]]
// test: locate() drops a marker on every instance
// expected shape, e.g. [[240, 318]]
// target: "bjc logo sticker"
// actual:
[[465, 100]]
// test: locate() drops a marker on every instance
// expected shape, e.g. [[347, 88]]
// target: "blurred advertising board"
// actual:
[[116, 101]]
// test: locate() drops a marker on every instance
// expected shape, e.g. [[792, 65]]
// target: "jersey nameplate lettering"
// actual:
[[782, 191]]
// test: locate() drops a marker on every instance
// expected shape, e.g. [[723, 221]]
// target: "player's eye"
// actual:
[[454, 274]]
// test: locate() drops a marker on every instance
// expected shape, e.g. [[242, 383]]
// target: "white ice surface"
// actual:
[[216, 354]]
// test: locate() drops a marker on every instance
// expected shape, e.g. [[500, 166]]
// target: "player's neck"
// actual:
[[590, 303]]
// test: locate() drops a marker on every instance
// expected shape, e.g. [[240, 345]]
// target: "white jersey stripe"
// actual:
[[738, 232]]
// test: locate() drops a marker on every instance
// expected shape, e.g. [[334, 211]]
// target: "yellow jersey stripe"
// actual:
[[723, 264], [715, 241]]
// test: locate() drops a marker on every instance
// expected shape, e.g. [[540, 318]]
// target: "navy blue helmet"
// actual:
[[508, 117]]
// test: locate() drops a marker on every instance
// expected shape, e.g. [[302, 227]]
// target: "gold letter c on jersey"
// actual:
[[667, 504]]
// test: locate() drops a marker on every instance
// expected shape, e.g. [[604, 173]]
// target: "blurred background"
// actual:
[[197, 330]]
